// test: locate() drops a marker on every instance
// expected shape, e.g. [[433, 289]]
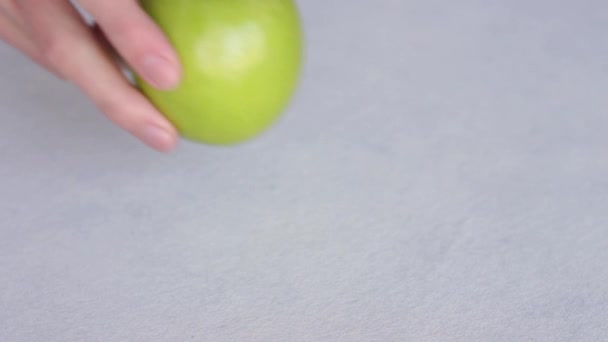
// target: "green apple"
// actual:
[[241, 61]]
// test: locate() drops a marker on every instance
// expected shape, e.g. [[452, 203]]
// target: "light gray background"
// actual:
[[441, 176]]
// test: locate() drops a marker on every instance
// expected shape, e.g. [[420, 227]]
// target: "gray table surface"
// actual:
[[441, 176]]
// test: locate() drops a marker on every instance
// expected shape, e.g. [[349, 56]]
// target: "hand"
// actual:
[[53, 34]]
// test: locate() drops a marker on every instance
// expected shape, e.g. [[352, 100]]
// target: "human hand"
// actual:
[[53, 34]]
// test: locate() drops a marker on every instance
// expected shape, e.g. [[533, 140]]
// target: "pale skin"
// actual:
[[53, 34]]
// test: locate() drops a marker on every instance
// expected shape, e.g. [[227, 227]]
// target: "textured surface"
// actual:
[[442, 176]]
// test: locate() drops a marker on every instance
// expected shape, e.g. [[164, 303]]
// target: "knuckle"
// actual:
[[119, 109], [113, 106], [55, 52], [121, 27]]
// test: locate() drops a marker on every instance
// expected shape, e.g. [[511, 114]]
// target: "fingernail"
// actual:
[[157, 138], [160, 72]]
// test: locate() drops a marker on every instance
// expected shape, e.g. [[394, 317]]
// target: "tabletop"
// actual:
[[441, 175]]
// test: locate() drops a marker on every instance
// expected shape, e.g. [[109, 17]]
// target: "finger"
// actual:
[[67, 43], [13, 31], [138, 40], [13, 35], [105, 44], [10, 10]]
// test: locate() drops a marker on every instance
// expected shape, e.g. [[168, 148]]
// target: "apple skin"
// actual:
[[241, 61]]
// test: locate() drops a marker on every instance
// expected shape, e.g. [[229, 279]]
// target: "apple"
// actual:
[[241, 61]]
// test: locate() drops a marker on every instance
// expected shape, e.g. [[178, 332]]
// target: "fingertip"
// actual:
[[160, 72], [159, 138]]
